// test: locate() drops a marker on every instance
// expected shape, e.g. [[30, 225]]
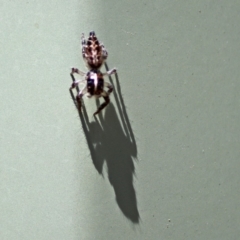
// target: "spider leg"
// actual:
[[83, 45], [75, 83], [105, 95], [83, 39], [109, 86], [76, 70], [80, 96], [82, 93], [104, 52], [110, 72]]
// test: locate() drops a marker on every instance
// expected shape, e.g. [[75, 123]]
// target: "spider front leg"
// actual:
[[83, 45], [76, 70], [110, 72], [104, 52], [80, 96], [75, 83], [83, 39]]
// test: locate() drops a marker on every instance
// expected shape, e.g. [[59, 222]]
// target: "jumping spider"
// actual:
[[94, 55]]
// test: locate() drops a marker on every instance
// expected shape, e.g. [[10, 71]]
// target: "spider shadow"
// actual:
[[111, 139]]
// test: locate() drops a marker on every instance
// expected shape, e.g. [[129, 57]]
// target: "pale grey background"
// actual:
[[178, 67]]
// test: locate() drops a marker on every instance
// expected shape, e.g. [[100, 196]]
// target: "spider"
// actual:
[[94, 54]]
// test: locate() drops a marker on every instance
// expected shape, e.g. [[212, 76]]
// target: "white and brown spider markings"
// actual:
[[94, 55]]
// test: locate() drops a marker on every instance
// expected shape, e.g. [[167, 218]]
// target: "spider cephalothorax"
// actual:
[[94, 55]]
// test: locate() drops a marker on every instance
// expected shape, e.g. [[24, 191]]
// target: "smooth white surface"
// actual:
[[178, 69]]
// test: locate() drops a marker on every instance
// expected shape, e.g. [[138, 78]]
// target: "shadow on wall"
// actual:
[[108, 141]]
